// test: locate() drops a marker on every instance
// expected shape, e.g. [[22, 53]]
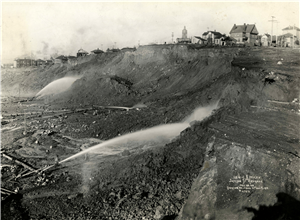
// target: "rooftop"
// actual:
[[200, 38], [62, 57], [97, 51], [245, 28], [82, 51], [291, 28], [213, 32]]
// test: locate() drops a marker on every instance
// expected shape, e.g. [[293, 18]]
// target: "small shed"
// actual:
[[97, 51], [229, 40], [286, 40], [60, 59], [125, 49], [82, 53], [40, 62], [71, 57], [49, 62], [266, 40]]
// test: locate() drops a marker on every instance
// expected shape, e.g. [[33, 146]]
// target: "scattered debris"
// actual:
[[6, 191], [18, 161], [296, 155]]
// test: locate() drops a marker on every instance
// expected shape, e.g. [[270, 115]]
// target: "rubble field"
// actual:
[[241, 162]]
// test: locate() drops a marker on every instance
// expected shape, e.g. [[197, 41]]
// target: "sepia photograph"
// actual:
[[135, 110]]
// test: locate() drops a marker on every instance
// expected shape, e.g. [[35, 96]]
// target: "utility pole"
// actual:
[[172, 37], [115, 45], [277, 32], [272, 26]]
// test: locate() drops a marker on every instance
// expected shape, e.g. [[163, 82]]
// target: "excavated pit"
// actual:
[[254, 135]]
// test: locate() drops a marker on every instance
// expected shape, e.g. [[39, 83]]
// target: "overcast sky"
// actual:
[[51, 28]]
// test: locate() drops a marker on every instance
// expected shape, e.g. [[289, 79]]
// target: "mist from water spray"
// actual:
[[57, 86], [161, 133], [200, 113]]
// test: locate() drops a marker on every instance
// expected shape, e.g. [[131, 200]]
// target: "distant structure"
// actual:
[[292, 30], [184, 38], [40, 62], [213, 37], [126, 49], [7, 65], [61, 59], [97, 51], [26, 62], [265, 40], [49, 62], [290, 37], [19, 63], [200, 40], [244, 33], [82, 53], [184, 33], [112, 50]]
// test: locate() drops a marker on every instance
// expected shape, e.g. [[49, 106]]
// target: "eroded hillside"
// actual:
[[253, 135]]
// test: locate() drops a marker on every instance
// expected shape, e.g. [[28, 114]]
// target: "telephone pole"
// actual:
[[272, 26], [277, 32], [172, 37]]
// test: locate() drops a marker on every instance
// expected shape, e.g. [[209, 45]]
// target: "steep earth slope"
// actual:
[[240, 163]]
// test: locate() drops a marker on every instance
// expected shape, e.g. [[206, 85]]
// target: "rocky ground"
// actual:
[[242, 162]]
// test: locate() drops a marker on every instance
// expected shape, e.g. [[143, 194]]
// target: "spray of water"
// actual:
[[57, 86], [159, 133], [200, 113]]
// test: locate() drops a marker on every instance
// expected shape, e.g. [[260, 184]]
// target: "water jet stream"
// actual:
[[57, 86], [159, 133]]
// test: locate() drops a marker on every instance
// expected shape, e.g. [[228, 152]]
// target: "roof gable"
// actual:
[[249, 28], [62, 57], [82, 51], [97, 51], [213, 32], [238, 29], [254, 30], [291, 28], [287, 35], [267, 35], [200, 38]]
